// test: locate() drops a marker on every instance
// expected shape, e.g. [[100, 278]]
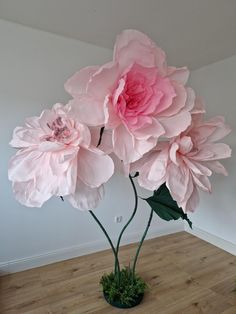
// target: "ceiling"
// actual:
[[192, 32]]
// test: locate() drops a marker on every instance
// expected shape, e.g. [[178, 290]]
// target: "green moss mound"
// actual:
[[125, 290]]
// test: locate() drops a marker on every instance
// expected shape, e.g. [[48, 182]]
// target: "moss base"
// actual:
[[119, 305], [123, 290]]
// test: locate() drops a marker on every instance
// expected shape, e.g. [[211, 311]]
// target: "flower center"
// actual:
[[60, 131], [185, 145], [129, 101], [133, 94]]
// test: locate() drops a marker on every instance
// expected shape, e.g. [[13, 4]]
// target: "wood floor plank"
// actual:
[[232, 310], [210, 303], [227, 288], [185, 276]]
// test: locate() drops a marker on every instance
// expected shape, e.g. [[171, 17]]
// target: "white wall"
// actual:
[[33, 67], [216, 215]]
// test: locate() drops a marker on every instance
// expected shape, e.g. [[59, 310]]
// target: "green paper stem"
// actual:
[[141, 242], [130, 219], [117, 264]]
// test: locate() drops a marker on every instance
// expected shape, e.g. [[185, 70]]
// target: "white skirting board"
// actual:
[[213, 239], [96, 246], [79, 250]]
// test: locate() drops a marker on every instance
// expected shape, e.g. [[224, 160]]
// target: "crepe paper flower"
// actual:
[[55, 157], [136, 96], [133, 114], [186, 161]]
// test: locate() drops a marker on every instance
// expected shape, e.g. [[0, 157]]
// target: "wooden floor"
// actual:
[[186, 276]]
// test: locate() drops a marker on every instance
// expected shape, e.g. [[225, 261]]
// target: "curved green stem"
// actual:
[[141, 242], [130, 219], [117, 265]]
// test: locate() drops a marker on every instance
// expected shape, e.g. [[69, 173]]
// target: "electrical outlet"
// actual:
[[118, 219]]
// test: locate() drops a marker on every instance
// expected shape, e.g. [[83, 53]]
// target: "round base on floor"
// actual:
[[119, 305]]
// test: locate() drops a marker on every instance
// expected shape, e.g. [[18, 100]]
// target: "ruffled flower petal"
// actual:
[[94, 167], [25, 137], [127, 147], [133, 46], [77, 84], [28, 195], [213, 151], [88, 110], [177, 181], [85, 197], [216, 167], [180, 75], [176, 124], [192, 202]]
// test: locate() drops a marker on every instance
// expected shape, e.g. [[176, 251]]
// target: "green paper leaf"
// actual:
[[165, 206]]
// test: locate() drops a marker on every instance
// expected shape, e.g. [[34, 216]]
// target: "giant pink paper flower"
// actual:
[[56, 158], [186, 162], [136, 96]]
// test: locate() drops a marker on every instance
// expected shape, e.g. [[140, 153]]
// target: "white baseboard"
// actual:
[[96, 246], [79, 250], [213, 239]]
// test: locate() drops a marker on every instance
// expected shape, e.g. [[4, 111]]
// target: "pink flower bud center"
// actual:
[[60, 131]]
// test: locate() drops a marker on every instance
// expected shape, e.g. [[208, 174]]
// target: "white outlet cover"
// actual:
[[118, 219]]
